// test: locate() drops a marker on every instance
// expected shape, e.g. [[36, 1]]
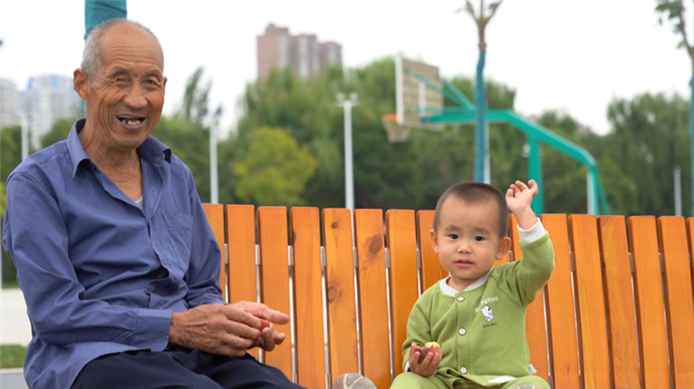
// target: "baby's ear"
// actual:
[[503, 248], [434, 241]]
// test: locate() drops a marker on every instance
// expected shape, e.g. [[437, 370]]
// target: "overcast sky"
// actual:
[[560, 54]]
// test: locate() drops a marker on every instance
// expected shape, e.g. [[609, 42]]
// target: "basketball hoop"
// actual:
[[397, 133]]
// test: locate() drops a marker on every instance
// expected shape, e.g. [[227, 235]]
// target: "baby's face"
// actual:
[[467, 240]]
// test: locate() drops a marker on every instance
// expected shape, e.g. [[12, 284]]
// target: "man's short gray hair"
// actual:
[[91, 57]]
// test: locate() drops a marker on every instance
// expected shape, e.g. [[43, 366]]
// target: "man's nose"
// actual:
[[135, 98]]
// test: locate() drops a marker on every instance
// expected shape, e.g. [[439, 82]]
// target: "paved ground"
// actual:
[[14, 329], [12, 379], [14, 323]]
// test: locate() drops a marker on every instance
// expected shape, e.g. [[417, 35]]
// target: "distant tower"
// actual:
[[9, 104], [307, 56], [47, 100]]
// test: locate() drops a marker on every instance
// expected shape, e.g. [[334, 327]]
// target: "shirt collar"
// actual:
[[152, 150], [450, 291]]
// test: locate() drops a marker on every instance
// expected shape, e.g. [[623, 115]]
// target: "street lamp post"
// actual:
[[347, 104], [214, 182]]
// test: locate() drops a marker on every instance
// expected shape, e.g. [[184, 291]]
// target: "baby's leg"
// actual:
[[527, 382], [411, 380]]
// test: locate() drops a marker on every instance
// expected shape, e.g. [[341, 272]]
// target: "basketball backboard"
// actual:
[[413, 98]]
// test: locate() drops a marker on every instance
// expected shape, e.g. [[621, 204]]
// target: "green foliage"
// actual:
[[59, 131], [649, 139], [12, 356], [673, 12], [196, 97], [276, 169], [189, 141]]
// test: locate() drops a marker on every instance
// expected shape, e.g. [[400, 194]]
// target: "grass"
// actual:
[[10, 285], [12, 356]]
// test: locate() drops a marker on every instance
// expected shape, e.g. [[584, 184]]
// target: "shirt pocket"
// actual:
[[180, 228]]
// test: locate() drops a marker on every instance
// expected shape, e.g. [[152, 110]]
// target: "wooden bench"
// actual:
[[619, 307]]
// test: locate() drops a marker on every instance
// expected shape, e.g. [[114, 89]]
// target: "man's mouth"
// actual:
[[131, 120]]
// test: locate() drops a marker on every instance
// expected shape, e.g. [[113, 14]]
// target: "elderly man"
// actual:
[[114, 255]]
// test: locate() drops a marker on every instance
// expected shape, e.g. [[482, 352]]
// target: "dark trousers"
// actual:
[[178, 367]]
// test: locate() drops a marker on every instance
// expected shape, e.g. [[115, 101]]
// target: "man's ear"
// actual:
[[81, 82], [434, 241], [504, 246]]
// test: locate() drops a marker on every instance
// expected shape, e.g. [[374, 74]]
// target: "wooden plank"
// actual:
[[373, 301], [242, 275], [274, 271], [560, 308], [678, 292], [402, 245], [650, 308], [591, 301], [620, 302], [215, 217], [339, 279], [432, 271], [308, 298], [690, 235], [534, 316]]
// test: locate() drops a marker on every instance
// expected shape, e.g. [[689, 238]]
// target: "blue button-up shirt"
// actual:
[[100, 276]]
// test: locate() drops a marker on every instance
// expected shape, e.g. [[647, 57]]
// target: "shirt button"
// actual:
[[461, 299], [461, 331], [163, 261], [463, 370]]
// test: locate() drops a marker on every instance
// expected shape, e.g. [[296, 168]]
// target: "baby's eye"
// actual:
[[479, 238], [453, 236]]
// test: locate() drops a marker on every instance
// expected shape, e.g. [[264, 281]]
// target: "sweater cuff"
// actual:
[[533, 233]]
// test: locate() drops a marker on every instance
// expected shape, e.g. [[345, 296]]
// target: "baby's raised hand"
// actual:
[[423, 360], [519, 197]]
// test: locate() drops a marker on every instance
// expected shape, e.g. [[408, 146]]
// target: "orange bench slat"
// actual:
[[563, 345], [215, 217], [373, 300], [620, 302], [308, 297], [402, 245], [678, 291], [274, 265], [591, 301], [643, 240], [339, 279]]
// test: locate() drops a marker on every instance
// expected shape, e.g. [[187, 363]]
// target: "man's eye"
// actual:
[[151, 82]]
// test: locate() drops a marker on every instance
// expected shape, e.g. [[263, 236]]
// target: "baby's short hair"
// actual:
[[475, 192]]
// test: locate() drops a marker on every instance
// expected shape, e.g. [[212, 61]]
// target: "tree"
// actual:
[[649, 139], [195, 98], [59, 131], [481, 20], [275, 171], [673, 10]]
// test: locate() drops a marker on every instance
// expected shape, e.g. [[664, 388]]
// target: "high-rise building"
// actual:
[[277, 49], [47, 100], [9, 104]]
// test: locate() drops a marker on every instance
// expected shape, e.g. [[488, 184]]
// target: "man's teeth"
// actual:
[[130, 120]]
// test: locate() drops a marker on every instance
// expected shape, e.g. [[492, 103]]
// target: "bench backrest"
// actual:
[[618, 311]]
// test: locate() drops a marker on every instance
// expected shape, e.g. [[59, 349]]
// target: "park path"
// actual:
[[14, 322], [14, 329]]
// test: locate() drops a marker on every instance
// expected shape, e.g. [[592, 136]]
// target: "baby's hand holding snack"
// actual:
[[425, 360]]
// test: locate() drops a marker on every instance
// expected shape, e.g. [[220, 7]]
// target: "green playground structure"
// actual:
[[464, 113]]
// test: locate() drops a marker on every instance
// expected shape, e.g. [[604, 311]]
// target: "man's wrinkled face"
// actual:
[[125, 96]]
